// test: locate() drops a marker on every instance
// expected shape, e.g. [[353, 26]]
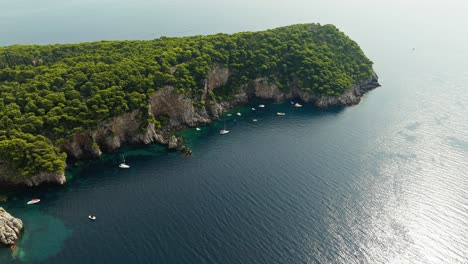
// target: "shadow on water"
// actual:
[[44, 231], [51, 222], [252, 113]]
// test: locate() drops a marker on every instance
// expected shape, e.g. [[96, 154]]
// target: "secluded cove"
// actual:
[[48, 230], [62, 103], [315, 185], [381, 182]]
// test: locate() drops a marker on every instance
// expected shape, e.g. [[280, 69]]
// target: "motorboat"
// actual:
[[123, 166], [280, 114], [198, 129], [297, 105], [92, 217], [261, 106], [239, 114], [223, 131], [34, 201]]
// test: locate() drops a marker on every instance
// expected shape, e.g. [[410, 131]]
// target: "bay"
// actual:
[[381, 182]]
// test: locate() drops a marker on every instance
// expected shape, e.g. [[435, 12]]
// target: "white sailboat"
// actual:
[[123, 165], [224, 131]]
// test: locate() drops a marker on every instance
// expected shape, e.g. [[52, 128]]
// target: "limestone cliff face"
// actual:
[[350, 97], [110, 135], [127, 128], [56, 178], [10, 228], [262, 88], [9, 177], [180, 109], [182, 112], [217, 77]]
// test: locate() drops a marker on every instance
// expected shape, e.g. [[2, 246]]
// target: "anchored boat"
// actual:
[[34, 201], [123, 165], [224, 131]]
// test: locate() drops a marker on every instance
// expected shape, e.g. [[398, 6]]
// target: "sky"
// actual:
[[382, 28]]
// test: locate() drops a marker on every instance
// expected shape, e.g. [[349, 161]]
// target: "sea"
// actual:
[[384, 181]]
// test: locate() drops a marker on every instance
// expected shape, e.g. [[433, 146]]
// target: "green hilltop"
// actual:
[[48, 93]]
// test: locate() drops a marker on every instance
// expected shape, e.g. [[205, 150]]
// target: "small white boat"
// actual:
[[254, 120], [297, 105], [34, 201], [224, 131], [292, 102], [239, 114], [123, 165], [198, 129], [253, 108], [280, 114], [261, 106], [229, 114], [92, 217]]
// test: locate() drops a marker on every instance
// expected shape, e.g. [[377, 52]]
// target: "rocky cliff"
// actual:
[[264, 89], [62, 103], [127, 128], [10, 228], [182, 112], [8, 177]]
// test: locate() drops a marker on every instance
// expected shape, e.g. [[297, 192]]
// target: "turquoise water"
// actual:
[[381, 182]]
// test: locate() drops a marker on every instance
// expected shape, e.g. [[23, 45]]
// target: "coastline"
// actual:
[[124, 129]]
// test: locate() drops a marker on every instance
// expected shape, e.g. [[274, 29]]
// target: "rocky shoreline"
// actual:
[[181, 113], [10, 228]]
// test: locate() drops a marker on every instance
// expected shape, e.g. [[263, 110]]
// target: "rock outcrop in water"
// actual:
[[10, 228]]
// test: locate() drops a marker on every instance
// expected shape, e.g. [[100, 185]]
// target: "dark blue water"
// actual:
[[381, 182]]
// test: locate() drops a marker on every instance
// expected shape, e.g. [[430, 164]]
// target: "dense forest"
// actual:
[[50, 92]]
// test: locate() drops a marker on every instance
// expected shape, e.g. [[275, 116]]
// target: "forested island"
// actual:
[[67, 102]]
